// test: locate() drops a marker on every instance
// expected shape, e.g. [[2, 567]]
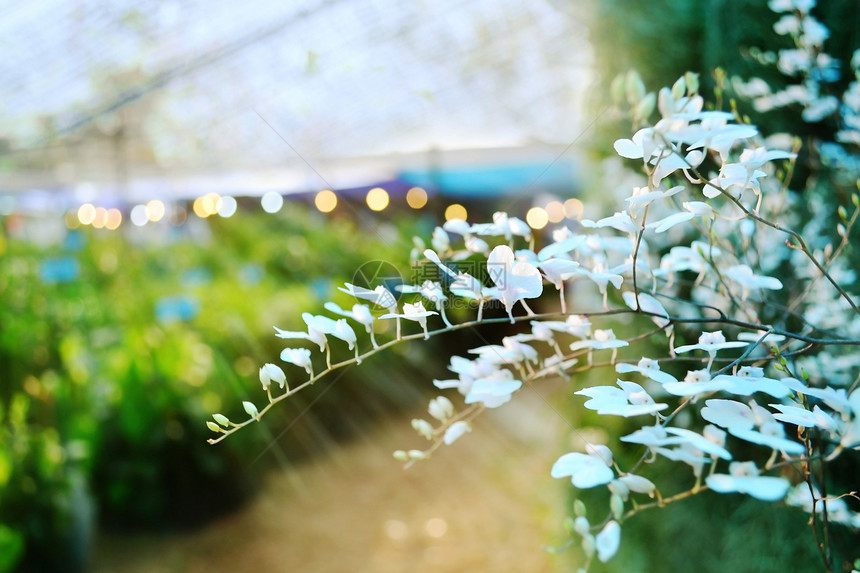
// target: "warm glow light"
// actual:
[[573, 208], [155, 210], [100, 219], [210, 203], [456, 211], [86, 214], [416, 197], [555, 211], [325, 201], [537, 218], [228, 206], [377, 199], [139, 215], [199, 209], [113, 219], [436, 527], [72, 221], [272, 202]]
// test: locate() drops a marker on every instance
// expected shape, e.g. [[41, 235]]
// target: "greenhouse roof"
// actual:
[[198, 84]]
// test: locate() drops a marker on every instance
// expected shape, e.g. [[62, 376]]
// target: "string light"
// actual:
[[377, 199], [456, 211]]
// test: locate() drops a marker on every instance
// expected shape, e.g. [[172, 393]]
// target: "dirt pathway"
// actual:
[[486, 503]]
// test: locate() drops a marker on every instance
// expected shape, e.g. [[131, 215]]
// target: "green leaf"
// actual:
[[11, 548]]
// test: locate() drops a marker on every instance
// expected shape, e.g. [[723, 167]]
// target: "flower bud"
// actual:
[[634, 87], [441, 408], [581, 525], [456, 430], [579, 508], [679, 88], [570, 526], [692, 81], [619, 488], [423, 428], [250, 409], [616, 505], [645, 107], [416, 455], [221, 419], [588, 546], [214, 427], [401, 456]]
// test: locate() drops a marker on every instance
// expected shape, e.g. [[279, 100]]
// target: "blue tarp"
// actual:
[[484, 182]]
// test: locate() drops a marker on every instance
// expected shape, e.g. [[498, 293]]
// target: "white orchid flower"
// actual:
[[359, 313], [710, 342], [557, 271], [648, 368], [620, 221], [300, 357], [318, 327], [379, 296], [494, 390], [515, 281], [607, 541], [271, 373], [750, 380], [415, 312], [629, 400], [503, 225], [743, 477], [744, 276], [692, 209], [464, 285], [433, 292], [647, 303], [585, 470]]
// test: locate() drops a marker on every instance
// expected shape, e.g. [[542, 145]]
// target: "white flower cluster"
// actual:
[[807, 62], [710, 186]]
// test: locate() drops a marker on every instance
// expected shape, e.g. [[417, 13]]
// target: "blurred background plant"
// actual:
[[114, 352]]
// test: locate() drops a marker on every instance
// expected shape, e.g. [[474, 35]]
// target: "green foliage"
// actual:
[[104, 396]]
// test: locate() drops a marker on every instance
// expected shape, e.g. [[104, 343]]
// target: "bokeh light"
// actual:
[[573, 208], [555, 211], [416, 197], [139, 215], [377, 199], [537, 218], [72, 221], [100, 218], [325, 201], [155, 210], [211, 203], [113, 219], [86, 213], [456, 211], [228, 206], [272, 202], [436, 527], [198, 208]]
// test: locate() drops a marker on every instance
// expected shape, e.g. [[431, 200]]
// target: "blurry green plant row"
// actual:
[[111, 364]]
